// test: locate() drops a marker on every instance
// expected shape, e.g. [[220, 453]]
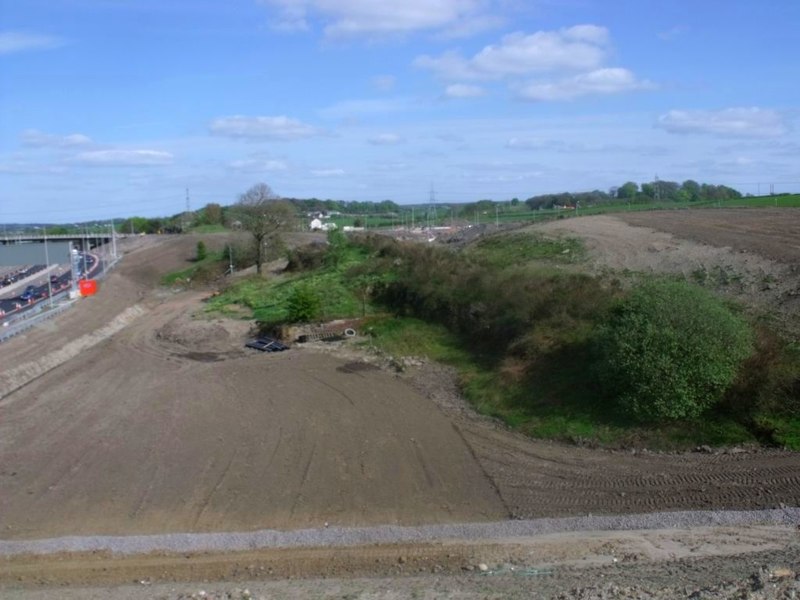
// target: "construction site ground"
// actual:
[[134, 413]]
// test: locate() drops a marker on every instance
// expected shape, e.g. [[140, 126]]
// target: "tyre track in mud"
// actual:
[[552, 483], [538, 478]]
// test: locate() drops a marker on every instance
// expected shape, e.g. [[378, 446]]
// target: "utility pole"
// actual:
[[432, 207], [185, 220], [113, 240], [47, 267]]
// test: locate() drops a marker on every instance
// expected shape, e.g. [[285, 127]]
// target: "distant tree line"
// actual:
[[665, 191], [659, 190], [352, 207]]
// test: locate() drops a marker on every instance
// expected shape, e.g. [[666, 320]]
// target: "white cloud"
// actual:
[[123, 158], [258, 165], [346, 18], [271, 128], [576, 53], [38, 139], [292, 15], [752, 122], [383, 83], [581, 47], [471, 26], [600, 81], [449, 65], [577, 48], [551, 146], [328, 172], [463, 90], [385, 139], [17, 41]]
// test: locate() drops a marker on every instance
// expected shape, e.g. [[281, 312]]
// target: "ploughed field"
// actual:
[[771, 233]]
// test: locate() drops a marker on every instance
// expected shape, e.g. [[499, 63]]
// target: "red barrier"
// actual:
[[87, 287]]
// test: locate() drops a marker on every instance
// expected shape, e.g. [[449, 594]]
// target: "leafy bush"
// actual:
[[493, 308], [670, 351], [242, 255], [304, 305], [202, 252], [306, 258]]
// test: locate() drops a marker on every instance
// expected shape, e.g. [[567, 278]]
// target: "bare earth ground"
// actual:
[[752, 255], [159, 422]]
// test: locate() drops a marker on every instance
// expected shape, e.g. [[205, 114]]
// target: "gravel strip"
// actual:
[[390, 534]]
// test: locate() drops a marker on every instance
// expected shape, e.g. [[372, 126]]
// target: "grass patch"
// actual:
[[513, 249], [201, 271], [268, 300], [784, 431], [329, 284], [406, 336]]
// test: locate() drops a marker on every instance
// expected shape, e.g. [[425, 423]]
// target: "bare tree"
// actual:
[[265, 216]]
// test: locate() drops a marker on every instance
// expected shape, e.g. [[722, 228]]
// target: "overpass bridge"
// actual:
[[25, 249], [78, 239]]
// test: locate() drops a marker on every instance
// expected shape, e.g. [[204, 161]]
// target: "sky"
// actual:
[[115, 108]]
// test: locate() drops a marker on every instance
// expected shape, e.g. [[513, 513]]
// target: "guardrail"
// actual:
[[44, 311], [35, 316]]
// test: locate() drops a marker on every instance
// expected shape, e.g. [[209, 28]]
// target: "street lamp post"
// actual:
[[47, 269]]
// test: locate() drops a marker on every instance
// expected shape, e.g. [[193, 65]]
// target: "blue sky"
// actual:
[[112, 108]]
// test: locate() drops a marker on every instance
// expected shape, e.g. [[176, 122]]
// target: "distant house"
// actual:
[[317, 225]]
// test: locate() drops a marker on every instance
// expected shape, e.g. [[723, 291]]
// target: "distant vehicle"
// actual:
[[53, 279], [29, 293]]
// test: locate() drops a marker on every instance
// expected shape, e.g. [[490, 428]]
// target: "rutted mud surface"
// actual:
[[548, 479]]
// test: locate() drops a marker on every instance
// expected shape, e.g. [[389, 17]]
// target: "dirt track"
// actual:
[[169, 425]]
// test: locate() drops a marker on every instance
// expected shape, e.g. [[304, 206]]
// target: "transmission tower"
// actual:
[[187, 213], [432, 207]]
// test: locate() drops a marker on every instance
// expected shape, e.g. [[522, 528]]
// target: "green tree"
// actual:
[[265, 216], [627, 191], [692, 190], [670, 351], [304, 305], [337, 248], [648, 190], [213, 214], [202, 253]]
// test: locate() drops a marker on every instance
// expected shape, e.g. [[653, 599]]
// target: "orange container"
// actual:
[[87, 287]]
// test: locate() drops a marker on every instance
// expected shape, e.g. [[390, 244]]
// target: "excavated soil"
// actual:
[[165, 423], [749, 255]]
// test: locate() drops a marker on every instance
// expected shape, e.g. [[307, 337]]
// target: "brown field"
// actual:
[[770, 233], [164, 423]]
